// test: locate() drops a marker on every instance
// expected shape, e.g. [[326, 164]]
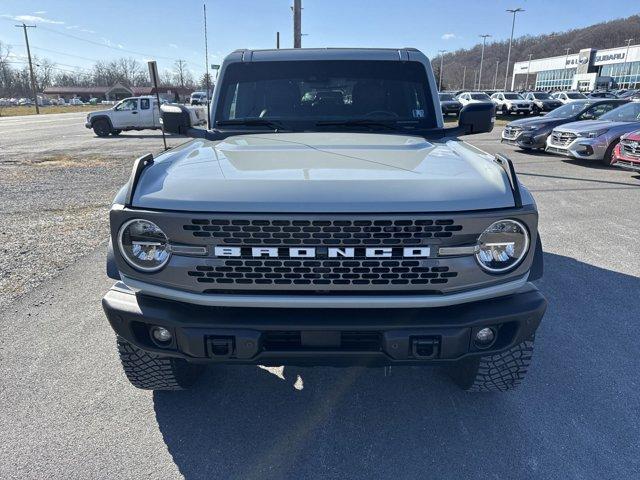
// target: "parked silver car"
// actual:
[[595, 139]]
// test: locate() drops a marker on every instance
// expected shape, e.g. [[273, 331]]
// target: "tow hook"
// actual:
[[425, 348], [220, 347]]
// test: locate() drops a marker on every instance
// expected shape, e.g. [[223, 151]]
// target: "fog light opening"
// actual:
[[484, 337], [161, 336]]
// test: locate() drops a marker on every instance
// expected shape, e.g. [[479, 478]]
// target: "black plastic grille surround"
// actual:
[[264, 271], [322, 232]]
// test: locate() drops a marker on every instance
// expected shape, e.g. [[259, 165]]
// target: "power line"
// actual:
[[56, 51], [93, 42]]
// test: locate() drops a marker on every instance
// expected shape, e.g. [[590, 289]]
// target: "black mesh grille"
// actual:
[[631, 148], [322, 232], [320, 273], [562, 139]]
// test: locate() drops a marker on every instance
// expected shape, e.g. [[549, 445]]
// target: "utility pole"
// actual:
[[464, 76], [513, 25], [33, 77], [441, 52], [484, 40], [278, 40], [495, 78], [297, 23], [624, 66], [475, 77], [564, 70]]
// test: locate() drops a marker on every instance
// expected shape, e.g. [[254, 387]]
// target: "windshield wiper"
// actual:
[[252, 122], [359, 123]]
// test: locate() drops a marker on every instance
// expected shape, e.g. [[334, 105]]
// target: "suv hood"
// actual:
[[324, 172], [589, 126], [530, 122]]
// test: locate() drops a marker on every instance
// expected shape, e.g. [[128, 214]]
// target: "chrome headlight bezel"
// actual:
[[518, 260], [129, 260]]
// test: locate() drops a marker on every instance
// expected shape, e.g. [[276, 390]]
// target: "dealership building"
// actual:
[[586, 70]]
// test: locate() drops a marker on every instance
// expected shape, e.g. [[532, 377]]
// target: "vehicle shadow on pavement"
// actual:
[[575, 416]]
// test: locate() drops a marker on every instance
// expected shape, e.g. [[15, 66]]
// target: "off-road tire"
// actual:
[[149, 371], [115, 133], [608, 155], [101, 127], [498, 372]]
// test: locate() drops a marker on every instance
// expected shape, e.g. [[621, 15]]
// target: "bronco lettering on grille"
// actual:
[[323, 252]]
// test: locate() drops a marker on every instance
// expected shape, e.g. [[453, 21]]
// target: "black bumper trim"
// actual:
[[515, 316]]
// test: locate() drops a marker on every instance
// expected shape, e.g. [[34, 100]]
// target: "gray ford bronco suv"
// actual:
[[326, 217]]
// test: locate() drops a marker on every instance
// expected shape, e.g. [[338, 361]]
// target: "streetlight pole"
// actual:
[[441, 52], [484, 40], [464, 76], [495, 78], [513, 25], [626, 55], [564, 71], [526, 81]]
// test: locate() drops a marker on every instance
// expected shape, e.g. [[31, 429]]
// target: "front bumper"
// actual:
[[88, 125], [294, 336], [581, 148], [626, 162], [527, 140]]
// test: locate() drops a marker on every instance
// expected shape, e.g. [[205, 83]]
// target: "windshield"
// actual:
[[542, 96], [568, 110], [480, 96], [513, 96], [303, 93], [575, 96], [446, 96], [626, 113]]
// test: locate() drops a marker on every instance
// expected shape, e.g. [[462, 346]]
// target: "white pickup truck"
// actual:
[[134, 113]]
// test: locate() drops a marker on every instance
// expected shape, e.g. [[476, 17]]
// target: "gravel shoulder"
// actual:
[[57, 181]]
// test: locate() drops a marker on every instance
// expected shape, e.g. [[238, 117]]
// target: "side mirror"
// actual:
[[477, 118], [176, 119]]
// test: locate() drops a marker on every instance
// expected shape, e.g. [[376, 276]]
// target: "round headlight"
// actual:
[[502, 246], [143, 245]]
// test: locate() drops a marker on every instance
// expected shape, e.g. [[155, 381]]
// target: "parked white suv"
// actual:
[[568, 97], [511, 102], [473, 97]]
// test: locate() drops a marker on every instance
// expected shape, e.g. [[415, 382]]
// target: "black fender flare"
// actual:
[[112, 268], [537, 266], [101, 117]]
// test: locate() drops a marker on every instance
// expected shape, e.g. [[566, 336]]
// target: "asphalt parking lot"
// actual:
[[67, 410]]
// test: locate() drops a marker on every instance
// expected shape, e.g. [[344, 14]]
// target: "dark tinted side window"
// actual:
[[144, 103], [596, 111]]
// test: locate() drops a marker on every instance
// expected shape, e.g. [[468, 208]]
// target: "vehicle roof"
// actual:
[[293, 54]]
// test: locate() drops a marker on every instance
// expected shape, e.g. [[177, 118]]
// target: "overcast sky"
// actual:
[[77, 33]]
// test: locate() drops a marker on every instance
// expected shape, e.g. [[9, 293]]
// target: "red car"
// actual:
[[627, 153]]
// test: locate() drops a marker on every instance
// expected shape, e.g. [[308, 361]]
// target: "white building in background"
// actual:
[[587, 70]]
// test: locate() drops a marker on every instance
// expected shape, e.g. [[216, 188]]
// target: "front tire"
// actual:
[[149, 371], [115, 133], [101, 128], [505, 110], [608, 155], [496, 372]]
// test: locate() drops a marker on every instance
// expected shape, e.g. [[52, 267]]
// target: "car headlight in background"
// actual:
[[502, 246], [595, 133], [143, 245]]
